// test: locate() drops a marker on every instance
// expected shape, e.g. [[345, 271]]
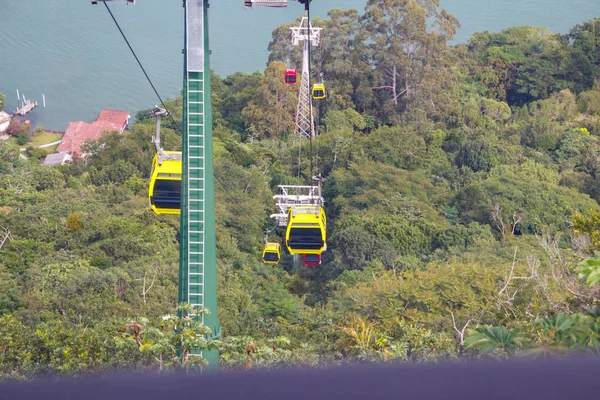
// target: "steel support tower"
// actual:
[[197, 258], [306, 35]]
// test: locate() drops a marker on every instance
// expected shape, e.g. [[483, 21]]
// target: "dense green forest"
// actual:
[[461, 188]]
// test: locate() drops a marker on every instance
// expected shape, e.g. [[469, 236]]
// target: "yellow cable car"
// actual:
[[318, 91], [164, 193], [306, 233], [271, 253]]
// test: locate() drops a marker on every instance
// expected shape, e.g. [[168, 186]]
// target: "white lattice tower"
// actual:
[[307, 35]]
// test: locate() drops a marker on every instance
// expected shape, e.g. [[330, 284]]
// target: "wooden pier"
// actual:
[[25, 109]]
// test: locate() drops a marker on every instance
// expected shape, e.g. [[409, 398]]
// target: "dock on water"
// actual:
[[25, 108]]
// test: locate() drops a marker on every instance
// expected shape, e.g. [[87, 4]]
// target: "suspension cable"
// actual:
[[141, 66], [299, 159]]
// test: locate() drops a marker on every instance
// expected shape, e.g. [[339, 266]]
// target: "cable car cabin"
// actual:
[[164, 194], [290, 76], [311, 260], [305, 233], [271, 253], [318, 91]]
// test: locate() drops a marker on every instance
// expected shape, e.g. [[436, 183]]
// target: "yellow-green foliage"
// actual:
[[74, 222], [430, 298], [426, 297], [589, 225], [405, 341]]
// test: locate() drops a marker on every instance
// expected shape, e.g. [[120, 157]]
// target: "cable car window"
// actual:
[[163, 203], [165, 187], [167, 194], [305, 238], [307, 233], [271, 257]]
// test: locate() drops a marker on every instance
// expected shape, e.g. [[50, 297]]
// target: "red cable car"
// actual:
[[311, 260], [290, 76]]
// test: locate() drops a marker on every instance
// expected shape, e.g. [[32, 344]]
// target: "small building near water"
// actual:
[[4, 121], [79, 132], [57, 159]]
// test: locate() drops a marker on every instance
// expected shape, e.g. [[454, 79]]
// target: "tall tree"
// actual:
[[272, 109], [281, 48], [337, 58], [405, 41], [584, 66], [237, 90], [540, 73]]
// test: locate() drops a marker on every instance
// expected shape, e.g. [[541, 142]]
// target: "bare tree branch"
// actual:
[[5, 236], [510, 277], [515, 221], [461, 333], [559, 270], [401, 93], [510, 298], [497, 218], [144, 290]]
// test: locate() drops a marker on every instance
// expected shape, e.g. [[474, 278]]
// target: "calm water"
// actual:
[[72, 52]]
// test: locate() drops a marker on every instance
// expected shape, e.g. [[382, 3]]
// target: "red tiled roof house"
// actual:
[[78, 132]]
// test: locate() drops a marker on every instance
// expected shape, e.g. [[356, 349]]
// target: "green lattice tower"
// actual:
[[197, 265]]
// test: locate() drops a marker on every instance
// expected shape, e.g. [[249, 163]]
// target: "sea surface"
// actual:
[[72, 52]]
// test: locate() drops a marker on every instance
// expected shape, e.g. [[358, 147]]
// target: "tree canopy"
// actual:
[[461, 188]]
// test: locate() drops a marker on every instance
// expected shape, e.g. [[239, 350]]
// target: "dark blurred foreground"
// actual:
[[540, 379]]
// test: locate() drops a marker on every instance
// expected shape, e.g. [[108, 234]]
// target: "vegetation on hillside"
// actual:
[[461, 191]]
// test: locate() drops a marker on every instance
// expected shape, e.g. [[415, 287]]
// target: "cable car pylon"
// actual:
[[197, 249], [306, 35]]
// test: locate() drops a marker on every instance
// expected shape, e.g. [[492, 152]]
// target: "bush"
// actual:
[[546, 142], [479, 154], [35, 153], [15, 127], [22, 138], [589, 102]]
